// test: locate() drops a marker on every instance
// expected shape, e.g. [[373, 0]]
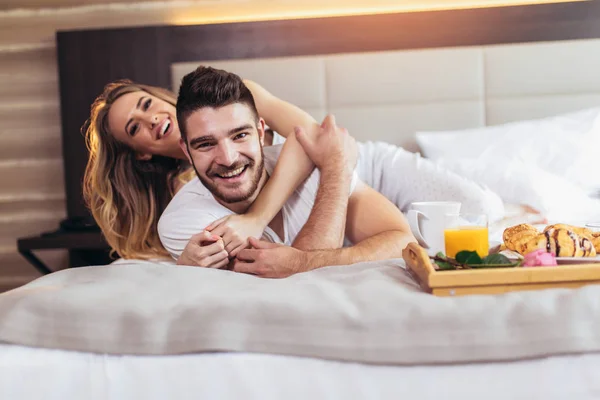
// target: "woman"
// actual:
[[136, 166]]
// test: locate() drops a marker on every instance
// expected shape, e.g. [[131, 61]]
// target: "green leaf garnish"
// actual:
[[444, 265], [496, 259], [468, 258], [440, 261]]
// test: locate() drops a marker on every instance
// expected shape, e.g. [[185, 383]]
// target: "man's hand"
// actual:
[[269, 260], [332, 147], [235, 231], [204, 250]]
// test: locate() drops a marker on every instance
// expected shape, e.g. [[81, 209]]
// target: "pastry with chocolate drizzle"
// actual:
[[560, 239]]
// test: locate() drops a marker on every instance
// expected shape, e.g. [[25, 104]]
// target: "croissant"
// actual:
[[566, 243], [575, 229], [596, 241], [560, 239], [586, 233], [518, 235]]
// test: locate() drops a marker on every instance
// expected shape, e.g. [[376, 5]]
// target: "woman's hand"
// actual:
[[204, 250], [235, 231], [333, 145]]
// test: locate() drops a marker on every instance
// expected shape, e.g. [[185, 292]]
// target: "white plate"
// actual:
[[560, 260], [577, 260]]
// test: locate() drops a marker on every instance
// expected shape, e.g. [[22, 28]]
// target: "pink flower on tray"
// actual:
[[539, 258]]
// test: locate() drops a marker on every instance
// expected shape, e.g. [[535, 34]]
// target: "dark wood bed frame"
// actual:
[[88, 59]]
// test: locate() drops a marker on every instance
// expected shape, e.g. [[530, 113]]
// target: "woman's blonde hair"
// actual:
[[125, 195]]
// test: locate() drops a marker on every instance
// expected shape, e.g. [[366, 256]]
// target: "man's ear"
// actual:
[[261, 131], [143, 156], [184, 148]]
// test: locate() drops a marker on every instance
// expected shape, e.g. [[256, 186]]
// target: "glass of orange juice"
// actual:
[[467, 232]]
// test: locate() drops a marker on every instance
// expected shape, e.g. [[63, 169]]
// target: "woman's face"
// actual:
[[147, 124]]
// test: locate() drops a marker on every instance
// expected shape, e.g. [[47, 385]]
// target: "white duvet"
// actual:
[[548, 163], [371, 313]]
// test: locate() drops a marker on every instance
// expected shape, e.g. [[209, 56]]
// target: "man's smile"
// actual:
[[234, 176]]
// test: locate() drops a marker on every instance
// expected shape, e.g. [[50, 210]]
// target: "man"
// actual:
[[223, 138]]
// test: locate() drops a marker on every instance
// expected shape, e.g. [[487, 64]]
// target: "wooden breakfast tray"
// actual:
[[495, 280]]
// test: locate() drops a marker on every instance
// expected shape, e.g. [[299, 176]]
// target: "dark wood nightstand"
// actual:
[[85, 248]]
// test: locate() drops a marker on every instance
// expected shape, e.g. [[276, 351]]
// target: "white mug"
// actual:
[[428, 219]]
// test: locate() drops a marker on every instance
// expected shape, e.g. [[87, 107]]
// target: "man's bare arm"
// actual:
[[376, 226], [334, 152], [325, 226]]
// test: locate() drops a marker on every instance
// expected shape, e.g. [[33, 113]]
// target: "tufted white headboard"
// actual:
[[390, 95], [385, 76]]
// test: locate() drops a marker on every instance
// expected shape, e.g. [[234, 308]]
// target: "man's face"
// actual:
[[225, 148]]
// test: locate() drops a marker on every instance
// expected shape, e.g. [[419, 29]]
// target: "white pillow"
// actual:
[[564, 145], [521, 182]]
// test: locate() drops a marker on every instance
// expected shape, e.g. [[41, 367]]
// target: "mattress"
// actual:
[[31, 373]]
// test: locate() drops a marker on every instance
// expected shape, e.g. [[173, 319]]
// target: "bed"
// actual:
[[407, 79], [145, 329], [59, 375]]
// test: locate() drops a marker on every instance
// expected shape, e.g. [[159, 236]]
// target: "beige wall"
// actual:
[[31, 176]]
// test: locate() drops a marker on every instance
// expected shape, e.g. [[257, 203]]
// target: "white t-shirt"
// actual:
[[277, 139], [193, 208], [404, 177]]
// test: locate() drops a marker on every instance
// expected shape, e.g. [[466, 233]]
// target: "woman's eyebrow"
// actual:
[[137, 107]]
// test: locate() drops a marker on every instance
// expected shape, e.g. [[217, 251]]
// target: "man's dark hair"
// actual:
[[210, 87]]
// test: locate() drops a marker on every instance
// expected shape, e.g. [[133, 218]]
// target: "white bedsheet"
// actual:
[[367, 312], [28, 373]]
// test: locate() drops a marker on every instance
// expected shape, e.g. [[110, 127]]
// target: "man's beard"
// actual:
[[251, 167]]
